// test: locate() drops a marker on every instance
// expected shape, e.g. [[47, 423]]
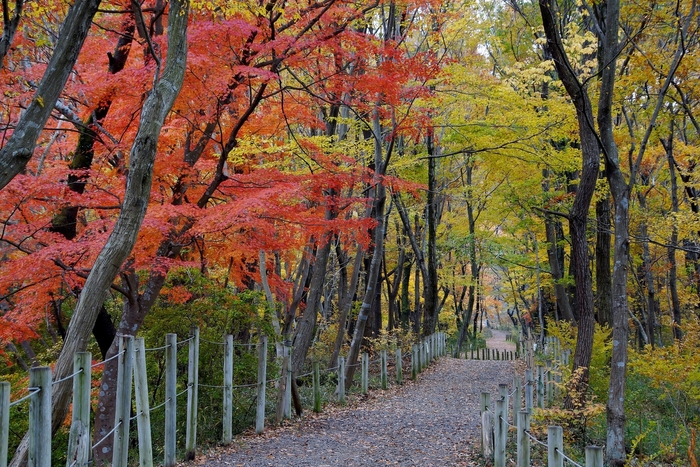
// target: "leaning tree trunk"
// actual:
[[673, 243], [123, 237], [20, 147], [578, 216], [379, 203]]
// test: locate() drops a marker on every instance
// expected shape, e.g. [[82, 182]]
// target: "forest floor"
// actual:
[[433, 421]]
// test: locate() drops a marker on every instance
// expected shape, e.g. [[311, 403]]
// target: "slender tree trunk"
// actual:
[[673, 243], [602, 261], [430, 294], [648, 276], [379, 203]]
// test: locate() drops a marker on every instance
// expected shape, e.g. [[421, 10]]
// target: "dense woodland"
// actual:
[[344, 174]]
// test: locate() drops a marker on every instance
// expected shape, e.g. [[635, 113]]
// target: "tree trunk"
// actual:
[[19, 149], [430, 285], [578, 217], [673, 243], [602, 261], [123, 237], [380, 164]]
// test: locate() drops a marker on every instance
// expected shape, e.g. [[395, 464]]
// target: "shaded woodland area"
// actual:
[[343, 176]]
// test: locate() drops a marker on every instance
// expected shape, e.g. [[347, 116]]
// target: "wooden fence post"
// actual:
[[4, 421], [555, 446], [122, 411], [170, 399], [79, 440], [549, 387], [500, 433], [227, 429], [528, 390], [523, 439], [317, 387], [517, 396], [262, 383], [485, 406], [399, 366], [540, 386], [414, 362], [594, 456], [40, 417], [288, 382], [503, 393], [192, 395], [143, 417], [341, 380], [487, 435], [364, 381], [383, 377]]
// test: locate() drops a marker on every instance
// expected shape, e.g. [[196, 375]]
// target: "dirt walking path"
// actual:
[[432, 422], [498, 341]]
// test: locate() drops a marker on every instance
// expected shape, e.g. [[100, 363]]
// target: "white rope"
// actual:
[[107, 435], [571, 461], [159, 405], [535, 439], [109, 359], [31, 393], [67, 377], [212, 342], [157, 348], [185, 341], [209, 386]]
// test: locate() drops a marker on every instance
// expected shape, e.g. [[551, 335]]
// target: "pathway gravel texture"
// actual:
[[431, 422]]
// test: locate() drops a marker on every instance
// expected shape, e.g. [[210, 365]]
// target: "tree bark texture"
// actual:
[[19, 149], [123, 237]]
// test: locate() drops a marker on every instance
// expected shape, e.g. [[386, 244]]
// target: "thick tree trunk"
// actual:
[[17, 151], [578, 217], [123, 237], [345, 306]]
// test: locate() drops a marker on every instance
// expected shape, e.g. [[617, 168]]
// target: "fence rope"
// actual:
[[32, 391], [109, 359], [185, 341], [152, 349], [240, 386], [159, 405], [107, 435], [508, 423], [182, 392], [211, 342], [136, 416], [210, 386], [527, 432], [571, 461], [67, 377]]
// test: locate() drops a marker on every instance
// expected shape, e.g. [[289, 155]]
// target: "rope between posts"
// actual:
[[571, 461], [182, 392], [212, 342], [67, 377], [109, 359], [527, 432], [32, 391], [241, 386], [186, 340], [107, 435], [210, 386], [507, 422], [159, 405], [136, 416], [157, 348], [244, 345]]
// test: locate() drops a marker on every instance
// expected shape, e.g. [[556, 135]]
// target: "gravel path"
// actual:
[[432, 422]]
